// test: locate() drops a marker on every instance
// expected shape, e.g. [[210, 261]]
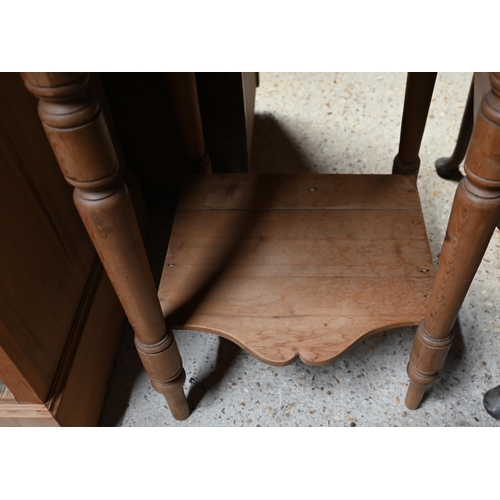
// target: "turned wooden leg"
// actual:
[[184, 95], [475, 212], [447, 167], [418, 95], [81, 142]]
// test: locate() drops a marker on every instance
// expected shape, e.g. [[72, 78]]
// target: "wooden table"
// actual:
[[285, 266]]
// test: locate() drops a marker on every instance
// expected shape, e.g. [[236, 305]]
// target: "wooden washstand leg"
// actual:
[[80, 139], [448, 167], [474, 215], [184, 95], [418, 95]]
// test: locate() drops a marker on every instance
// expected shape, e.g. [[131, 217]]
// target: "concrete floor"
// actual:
[[346, 123]]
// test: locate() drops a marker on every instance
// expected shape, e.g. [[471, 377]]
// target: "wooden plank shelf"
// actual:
[[291, 266]]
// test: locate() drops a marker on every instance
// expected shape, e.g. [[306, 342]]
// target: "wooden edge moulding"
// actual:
[[285, 266]]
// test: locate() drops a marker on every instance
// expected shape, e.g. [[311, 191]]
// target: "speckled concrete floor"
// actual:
[[346, 123]]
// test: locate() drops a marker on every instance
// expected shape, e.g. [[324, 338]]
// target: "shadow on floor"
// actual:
[[274, 151], [226, 354], [126, 369]]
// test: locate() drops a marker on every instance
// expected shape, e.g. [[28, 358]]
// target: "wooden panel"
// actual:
[[12, 414], [336, 243], [82, 392], [15, 414], [26, 415], [319, 191], [45, 255], [289, 281]]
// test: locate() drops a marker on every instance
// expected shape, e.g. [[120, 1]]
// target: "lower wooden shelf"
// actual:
[[293, 266]]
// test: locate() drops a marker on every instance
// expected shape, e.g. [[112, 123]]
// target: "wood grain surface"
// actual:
[[26, 415], [319, 191], [81, 141], [45, 254], [285, 271], [473, 218]]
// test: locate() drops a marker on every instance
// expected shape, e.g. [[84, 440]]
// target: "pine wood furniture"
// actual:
[[449, 168], [286, 266], [60, 319], [474, 216]]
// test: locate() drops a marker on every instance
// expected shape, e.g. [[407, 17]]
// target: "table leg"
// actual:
[[474, 215], [184, 95], [82, 145], [418, 95]]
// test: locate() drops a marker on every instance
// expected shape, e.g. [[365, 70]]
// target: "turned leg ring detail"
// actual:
[[430, 353], [163, 364]]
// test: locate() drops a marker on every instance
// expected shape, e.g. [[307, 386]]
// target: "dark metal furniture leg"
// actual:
[[491, 402]]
